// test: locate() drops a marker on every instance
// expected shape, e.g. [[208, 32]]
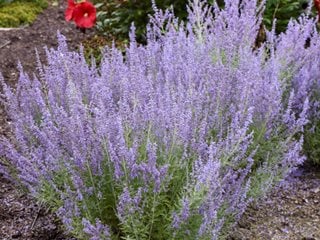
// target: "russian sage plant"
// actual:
[[299, 61], [171, 140]]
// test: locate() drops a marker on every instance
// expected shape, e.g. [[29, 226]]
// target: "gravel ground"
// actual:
[[291, 211]]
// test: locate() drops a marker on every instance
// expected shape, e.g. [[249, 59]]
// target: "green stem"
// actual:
[[94, 187], [153, 210]]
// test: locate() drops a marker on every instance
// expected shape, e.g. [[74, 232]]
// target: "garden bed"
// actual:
[[289, 212]]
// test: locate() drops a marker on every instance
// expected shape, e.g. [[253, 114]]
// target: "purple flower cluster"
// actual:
[[162, 142]]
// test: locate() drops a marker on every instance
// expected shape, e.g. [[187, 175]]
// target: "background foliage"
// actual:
[[116, 16], [283, 11], [312, 142], [17, 13]]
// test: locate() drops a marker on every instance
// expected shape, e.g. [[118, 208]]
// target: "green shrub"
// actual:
[[118, 15], [115, 17], [283, 11], [3, 2], [8, 20], [312, 142], [39, 3], [19, 13]]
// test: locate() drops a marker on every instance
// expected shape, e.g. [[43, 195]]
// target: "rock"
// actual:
[[315, 190], [16, 234], [240, 234], [244, 223]]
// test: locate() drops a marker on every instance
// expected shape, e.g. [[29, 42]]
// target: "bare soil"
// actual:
[[291, 211]]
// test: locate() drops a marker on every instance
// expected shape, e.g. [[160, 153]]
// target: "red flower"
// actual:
[[69, 11], [317, 5], [84, 15]]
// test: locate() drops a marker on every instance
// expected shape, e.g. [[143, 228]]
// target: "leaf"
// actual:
[[98, 5]]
